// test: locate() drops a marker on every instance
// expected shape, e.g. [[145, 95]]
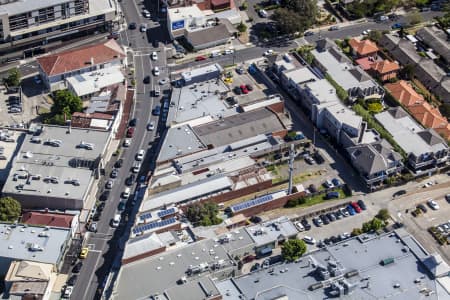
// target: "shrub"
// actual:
[[375, 107], [242, 27]]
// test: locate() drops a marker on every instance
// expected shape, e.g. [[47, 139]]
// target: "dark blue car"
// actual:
[[351, 210]]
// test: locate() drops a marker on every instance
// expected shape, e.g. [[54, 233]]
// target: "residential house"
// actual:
[[29, 280], [402, 50], [330, 60], [404, 93], [363, 48], [432, 76], [376, 161], [54, 69], [437, 40], [316, 95], [384, 70], [425, 148]]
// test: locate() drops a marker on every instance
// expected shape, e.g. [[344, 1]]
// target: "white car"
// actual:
[[146, 14], [428, 184], [136, 168], [366, 32], [140, 155], [68, 292], [156, 71], [151, 126], [163, 81], [309, 240], [229, 51], [154, 55], [115, 221], [127, 143], [329, 184], [344, 212], [299, 226], [268, 52], [143, 28], [433, 204]]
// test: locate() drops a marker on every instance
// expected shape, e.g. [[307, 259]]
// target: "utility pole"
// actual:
[[291, 168]]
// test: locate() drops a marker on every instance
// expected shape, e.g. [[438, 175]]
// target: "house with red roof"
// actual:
[[404, 93], [363, 48], [51, 219], [54, 69], [384, 70]]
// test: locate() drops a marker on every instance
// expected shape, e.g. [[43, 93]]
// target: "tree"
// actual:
[[376, 224], [293, 249], [415, 18], [65, 103], [203, 214], [375, 35], [444, 108], [9, 209], [13, 78], [242, 27], [407, 72], [356, 231], [295, 15], [383, 215]]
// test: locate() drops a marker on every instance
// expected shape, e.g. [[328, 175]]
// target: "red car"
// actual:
[[200, 58], [356, 207], [130, 132], [244, 89]]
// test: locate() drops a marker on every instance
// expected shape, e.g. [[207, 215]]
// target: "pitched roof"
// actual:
[[363, 47], [404, 93], [47, 219], [79, 58], [385, 66], [428, 115], [430, 137]]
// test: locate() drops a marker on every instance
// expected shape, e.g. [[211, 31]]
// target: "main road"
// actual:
[[106, 243]]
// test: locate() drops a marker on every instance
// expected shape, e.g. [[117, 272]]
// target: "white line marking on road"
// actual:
[[90, 277]]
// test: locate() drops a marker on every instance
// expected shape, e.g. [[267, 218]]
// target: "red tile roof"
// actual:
[[385, 66], [47, 219], [95, 115], [363, 47], [79, 58], [404, 93], [364, 63]]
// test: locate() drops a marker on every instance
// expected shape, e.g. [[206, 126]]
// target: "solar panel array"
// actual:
[[145, 216], [166, 212], [142, 228], [251, 203]]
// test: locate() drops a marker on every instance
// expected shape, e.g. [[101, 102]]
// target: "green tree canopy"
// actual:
[[295, 15], [203, 214], [13, 78], [383, 214], [293, 249], [242, 27], [65, 103], [9, 209]]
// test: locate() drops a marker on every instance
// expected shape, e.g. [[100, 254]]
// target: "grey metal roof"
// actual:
[[270, 231], [372, 281], [160, 273], [436, 39], [58, 162], [238, 127], [208, 35], [406, 133], [142, 244], [17, 242], [22, 6]]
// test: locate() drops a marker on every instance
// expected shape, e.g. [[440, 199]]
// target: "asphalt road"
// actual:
[[105, 245]]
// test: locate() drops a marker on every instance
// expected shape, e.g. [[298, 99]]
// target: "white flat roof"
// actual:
[[180, 13], [93, 82]]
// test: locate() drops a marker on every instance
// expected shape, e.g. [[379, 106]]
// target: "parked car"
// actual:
[[356, 207], [104, 196], [422, 208], [324, 219], [317, 221], [344, 212], [399, 193], [109, 183], [151, 126], [309, 240], [140, 155], [255, 219], [132, 26], [115, 221], [237, 90], [447, 197], [114, 173], [338, 214], [130, 179], [268, 52], [332, 195], [309, 159], [362, 204], [126, 143], [84, 252], [336, 182], [248, 258], [306, 224], [396, 26], [244, 89], [146, 79], [255, 267], [118, 163], [309, 33], [156, 71], [154, 55], [130, 132], [331, 217], [143, 27], [312, 188], [299, 226], [93, 227], [351, 210], [121, 206], [101, 206], [328, 184], [156, 111], [333, 28], [77, 267], [433, 204], [249, 87], [200, 58]]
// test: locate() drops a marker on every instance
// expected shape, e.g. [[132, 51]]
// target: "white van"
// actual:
[[215, 53], [115, 221], [126, 193]]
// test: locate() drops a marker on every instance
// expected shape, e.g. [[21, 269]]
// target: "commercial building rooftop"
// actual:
[[33, 243], [352, 269], [267, 232], [164, 273], [93, 82]]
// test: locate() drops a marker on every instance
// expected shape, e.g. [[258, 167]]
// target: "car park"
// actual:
[[146, 79], [130, 179], [109, 183], [309, 240], [154, 55], [433, 204], [84, 252], [361, 204], [77, 267], [156, 71]]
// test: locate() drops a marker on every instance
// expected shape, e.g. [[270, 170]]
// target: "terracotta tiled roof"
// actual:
[[364, 63], [404, 93], [80, 57], [428, 115], [47, 219], [95, 115], [363, 47], [385, 66]]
